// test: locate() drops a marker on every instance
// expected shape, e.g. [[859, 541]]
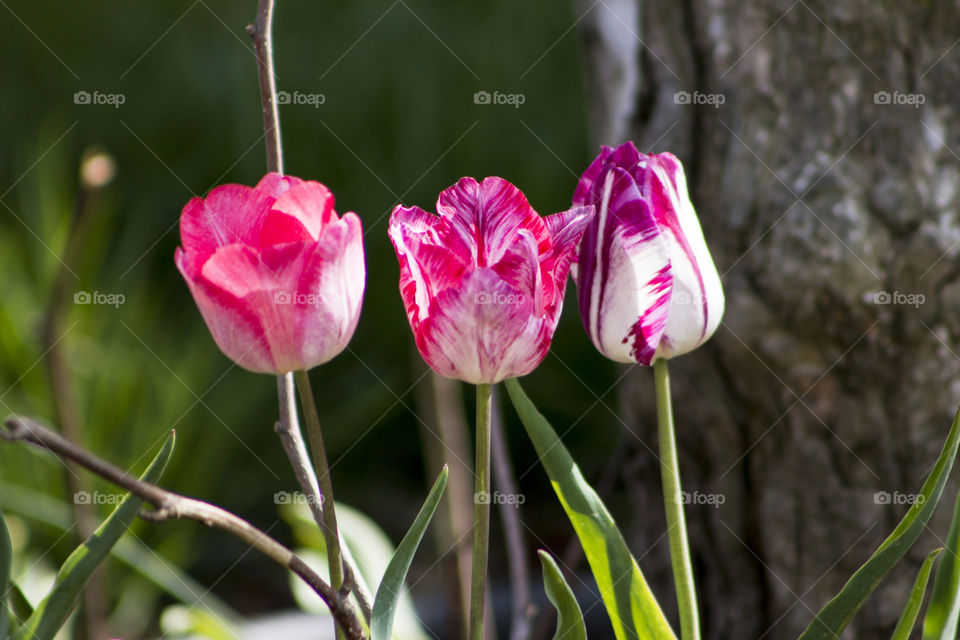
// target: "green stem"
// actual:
[[331, 534], [676, 524], [481, 515]]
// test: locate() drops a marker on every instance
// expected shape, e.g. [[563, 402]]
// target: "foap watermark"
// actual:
[[310, 99], [98, 98], [685, 298], [512, 99], [899, 297], [515, 499], [99, 297], [495, 297], [712, 499], [97, 497], [710, 99], [899, 98], [885, 497], [295, 297], [294, 497]]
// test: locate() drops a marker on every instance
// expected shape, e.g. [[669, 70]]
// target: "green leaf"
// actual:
[[633, 610], [55, 608], [43, 508], [909, 615], [569, 617], [19, 605], [6, 560], [837, 613], [385, 602], [940, 621]]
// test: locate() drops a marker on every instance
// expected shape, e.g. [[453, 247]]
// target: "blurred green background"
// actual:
[[398, 122]]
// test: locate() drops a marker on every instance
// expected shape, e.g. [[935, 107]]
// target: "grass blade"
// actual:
[[909, 616], [833, 618], [385, 603], [569, 617], [55, 608]]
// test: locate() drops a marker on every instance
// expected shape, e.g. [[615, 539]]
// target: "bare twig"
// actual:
[[169, 505], [288, 428], [261, 31], [523, 611]]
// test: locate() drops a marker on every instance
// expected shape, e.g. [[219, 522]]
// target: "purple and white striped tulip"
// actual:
[[646, 283]]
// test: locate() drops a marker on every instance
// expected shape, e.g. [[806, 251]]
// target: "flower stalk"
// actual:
[[481, 515], [331, 534], [676, 523]]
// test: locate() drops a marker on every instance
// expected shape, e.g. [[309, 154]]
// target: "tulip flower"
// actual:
[[647, 286], [277, 275], [648, 291], [483, 287], [483, 282]]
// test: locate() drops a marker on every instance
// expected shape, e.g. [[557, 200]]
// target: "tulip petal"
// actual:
[[623, 276], [697, 304], [486, 215], [309, 203], [432, 258], [565, 229], [483, 331], [275, 185], [235, 328], [230, 213]]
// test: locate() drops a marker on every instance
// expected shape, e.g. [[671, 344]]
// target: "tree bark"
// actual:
[[815, 193]]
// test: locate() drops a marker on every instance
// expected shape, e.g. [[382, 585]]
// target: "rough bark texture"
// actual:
[[811, 398]]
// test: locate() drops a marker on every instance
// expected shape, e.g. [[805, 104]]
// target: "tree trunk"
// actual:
[[831, 211]]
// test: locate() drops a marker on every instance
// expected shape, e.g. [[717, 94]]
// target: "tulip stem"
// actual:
[[481, 515], [331, 533], [676, 523]]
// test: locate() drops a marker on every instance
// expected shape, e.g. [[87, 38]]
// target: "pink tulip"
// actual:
[[277, 275], [647, 285], [483, 282]]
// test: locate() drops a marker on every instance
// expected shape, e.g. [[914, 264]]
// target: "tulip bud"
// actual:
[[647, 286]]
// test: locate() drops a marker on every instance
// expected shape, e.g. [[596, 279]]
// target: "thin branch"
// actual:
[[261, 31], [523, 611], [288, 429], [168, 505]]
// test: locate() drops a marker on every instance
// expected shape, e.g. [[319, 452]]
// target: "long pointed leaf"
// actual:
[[633, 610], [133, 552], [20, 607], [940, 621], [909, 616], [53, 611], [837, 613], [6, 559], [385, 603], [569, 617]]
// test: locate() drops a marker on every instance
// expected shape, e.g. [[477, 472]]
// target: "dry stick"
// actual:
[[169, 505], [522, 613], [262, 33], [64, 399]]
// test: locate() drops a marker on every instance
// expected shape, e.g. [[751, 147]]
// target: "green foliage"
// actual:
[[54, 610], [835, 615], [388, 593], [569, 617], [943, 611], [632, 607], [909, 616]]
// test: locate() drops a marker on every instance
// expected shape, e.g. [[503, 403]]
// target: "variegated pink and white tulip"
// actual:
[[277, 275], [647, 286], [483, 282]]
